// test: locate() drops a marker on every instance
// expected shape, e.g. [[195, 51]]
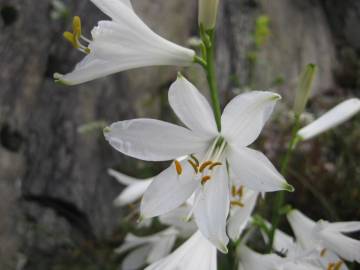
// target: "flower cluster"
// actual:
[[207, 194]]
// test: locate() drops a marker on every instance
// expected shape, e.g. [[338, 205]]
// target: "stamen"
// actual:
[[240, 191], [233, 191], [75, 36], [195, 160], [192, 163], [338, 265], [204, 165], [77, 27], [178, 167], [237, 203], [71, 38], [331, 266], [214, 165], [205, 178], [323, 252]]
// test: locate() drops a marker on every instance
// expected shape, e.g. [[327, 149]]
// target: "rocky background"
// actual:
[[56, 208]]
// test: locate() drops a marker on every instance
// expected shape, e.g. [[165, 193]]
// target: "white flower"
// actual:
[[251, 260], [337, 115], [123, 43], [147, 249], [326, 237], [204, 171], [207, 13], [134, 190], [243, 202], [197, 253]]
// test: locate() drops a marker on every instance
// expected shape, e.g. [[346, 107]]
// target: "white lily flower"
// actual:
[[122, 43], [197, 253], [146, 250], [336, 116], [242, 203], [251, 260], [204, 171], [134, 190], [326, 237]]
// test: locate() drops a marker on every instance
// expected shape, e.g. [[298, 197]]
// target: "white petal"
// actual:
[[161, 248], [153, 140], [283, 242], [241, 215], [252, 260], [197, 253], [332, 118], [244, 117], [168, 191], [192, 107], [252, 169], [345, 227], [132, 193], [330, 257], [122, 44], [136, 258], [125, 179], [302, 227], [345, 247], [212, 208]]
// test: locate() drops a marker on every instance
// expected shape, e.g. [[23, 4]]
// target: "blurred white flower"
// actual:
[[207, 13], [147, 249], [204, 171], [197, 253], [134, 190], [122, 43], [326, 237], [337, 115], [242, 202]]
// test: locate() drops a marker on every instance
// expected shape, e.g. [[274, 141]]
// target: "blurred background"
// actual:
[[56, 209]]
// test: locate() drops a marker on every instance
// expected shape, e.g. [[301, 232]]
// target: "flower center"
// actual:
[[75, 36], [212, 160]]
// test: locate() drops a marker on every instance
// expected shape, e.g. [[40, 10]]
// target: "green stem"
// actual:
[[211, 75], [280, 196]]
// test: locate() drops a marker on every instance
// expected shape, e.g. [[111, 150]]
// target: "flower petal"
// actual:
[[113, 7], [241, 215], [337, 115], [132, 193], [136, 258], [153, 140], [302, 227], [250, 259], [253, 169], [197, 253], [345, 227], [168, 191], [244, 117], [192, 108], [161, 248], [211, 209]]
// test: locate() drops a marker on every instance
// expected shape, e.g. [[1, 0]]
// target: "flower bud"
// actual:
[[207, 13], [304, 88], [337, 115]]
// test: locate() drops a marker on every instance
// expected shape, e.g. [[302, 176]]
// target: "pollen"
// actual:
[[195, 167], [214, 165], [237, 203], [240, 191], [205, 178], [178, 167], [331, 266], [233, 191], [195, 160], [338, 265], [323, 252], [204, 165]]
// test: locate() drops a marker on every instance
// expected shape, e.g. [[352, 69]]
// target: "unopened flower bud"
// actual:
[[207, 13], [304, 88]]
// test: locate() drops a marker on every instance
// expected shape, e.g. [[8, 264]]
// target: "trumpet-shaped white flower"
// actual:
[[146, 250], [326, 237], [197, 253], [204, 171], [242, 203], [123, 43], [134, 190], [337, 115]]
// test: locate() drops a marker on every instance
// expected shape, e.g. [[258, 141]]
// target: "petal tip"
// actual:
[[288, 187], [223, 248], [58, 78], [276, 97], [106, 132]]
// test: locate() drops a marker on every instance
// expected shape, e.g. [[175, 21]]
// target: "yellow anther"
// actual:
[[233, 191], [338, 265], [237, 203], [214, 165], [71, 38], [204, 165], [323, 252], [87, 50], [240, 191], [331, 266], [205, 178], [195, 160], [77, 27], [192, 163], [178, 167]]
